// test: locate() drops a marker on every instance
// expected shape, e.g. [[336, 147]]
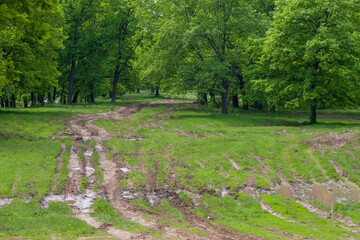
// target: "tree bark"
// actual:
[[25, 102], [157, 94], [54, 95], [2, 103], [75, 98], [224, 97], [71, 83], [115, 82], [92, 97], [33, 100], [272, 108], [138, 91], [6, 103], [49, 99], [235, 101], [203, 98], [41, 100], [13, 103], [313, 112]]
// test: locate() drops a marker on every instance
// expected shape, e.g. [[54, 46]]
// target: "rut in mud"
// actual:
[[81, 128]]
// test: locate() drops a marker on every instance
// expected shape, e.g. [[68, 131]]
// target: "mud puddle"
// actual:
[[6, 201], [80, 203]]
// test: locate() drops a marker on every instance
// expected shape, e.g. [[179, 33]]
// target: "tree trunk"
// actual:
[[235, 101], [115, 82], [13, 103], [272, 108], [138, 91], [25, 102], [49, 99], [76, 95], [2, 103], [33, 100], [213, 97], [157, 94], [54, 95], [41, 100], [6, 103], [62, 95], [152, 91], [92, 97], [203, 98], [224, 97], [71, 83], [313, 112]]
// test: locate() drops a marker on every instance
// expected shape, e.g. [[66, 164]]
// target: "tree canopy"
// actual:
[[254, 53]]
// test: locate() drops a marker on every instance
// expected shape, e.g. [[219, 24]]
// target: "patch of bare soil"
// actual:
[[338, 116], [81, 128], [331, 140], [231, 160]]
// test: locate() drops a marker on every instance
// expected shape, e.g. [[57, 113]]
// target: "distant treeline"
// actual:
[[239, 53]]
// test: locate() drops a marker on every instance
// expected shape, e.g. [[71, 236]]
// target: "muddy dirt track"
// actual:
[[81, 128]]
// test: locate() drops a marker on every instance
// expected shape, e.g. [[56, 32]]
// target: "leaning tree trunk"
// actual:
[[71, 82], [76, 95], [313, 112], [224, 97], [115, 82], [203, 98]]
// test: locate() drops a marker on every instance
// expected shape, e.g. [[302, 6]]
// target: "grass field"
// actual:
[[189, 164]]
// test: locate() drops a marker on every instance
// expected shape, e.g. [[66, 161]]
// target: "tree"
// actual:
[[81, 42], [312, 54], [18, 19], [122, 39]]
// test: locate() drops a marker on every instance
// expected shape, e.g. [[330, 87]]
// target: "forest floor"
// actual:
[[169, 169]]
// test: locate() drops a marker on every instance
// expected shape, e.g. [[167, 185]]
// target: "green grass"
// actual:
[[199, 142], [197, 146], [104, 212], [27, 167], [30, 221]]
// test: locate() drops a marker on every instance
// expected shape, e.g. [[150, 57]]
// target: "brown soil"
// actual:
[[82, 128], [331, 140], [338, 116]]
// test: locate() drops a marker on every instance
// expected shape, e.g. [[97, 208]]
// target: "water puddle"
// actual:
[[81, 203], [132, 139], [88, 153], [89, 171], [285, 190], [224, 193], [331, 192], [256, 192], [6, 201]]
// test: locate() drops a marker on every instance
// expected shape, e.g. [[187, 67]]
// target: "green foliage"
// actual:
[[351, 209], [84, 183], [312, 50], [29, 220], [105, 213]]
